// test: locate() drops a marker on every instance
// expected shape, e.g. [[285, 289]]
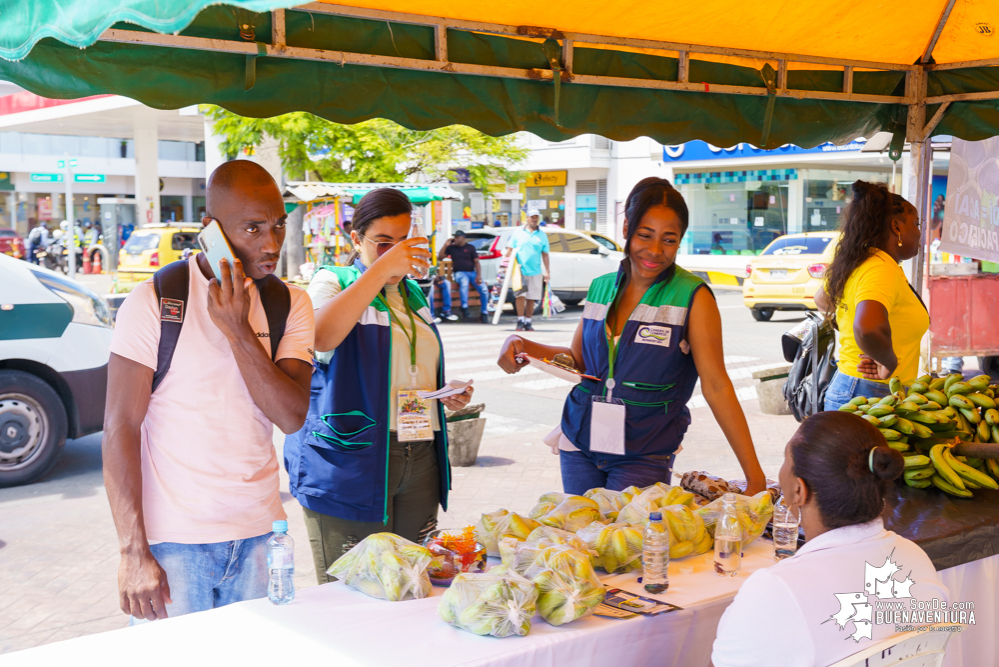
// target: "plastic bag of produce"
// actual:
[[499, 602], [385, 566], [568, 588], [754, 514], [609, 502], [494, 526], [547, 503], [637, 512], [687, 533], [519, 556], [628, 494], [618, 546], [573, 513]]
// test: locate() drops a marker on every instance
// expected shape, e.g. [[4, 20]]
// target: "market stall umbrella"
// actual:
[[759, 73]]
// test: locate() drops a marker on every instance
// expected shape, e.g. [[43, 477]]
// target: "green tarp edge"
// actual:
[[80, 24]]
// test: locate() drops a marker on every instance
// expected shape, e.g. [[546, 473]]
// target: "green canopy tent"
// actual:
[[718, 71]]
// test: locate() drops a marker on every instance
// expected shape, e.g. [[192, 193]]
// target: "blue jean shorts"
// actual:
[[844, 387]]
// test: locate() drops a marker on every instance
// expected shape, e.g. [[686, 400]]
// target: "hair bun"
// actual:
[[887, 463]]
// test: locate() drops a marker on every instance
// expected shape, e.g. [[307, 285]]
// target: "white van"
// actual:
[[55, 337]]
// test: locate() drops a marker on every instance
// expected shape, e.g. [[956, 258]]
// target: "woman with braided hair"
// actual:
[[881, 319]]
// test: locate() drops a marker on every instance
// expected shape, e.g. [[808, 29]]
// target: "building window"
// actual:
[[735, 213], [827, 194], [591, 205]]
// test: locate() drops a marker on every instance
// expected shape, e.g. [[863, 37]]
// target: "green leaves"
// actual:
[[373, 151]]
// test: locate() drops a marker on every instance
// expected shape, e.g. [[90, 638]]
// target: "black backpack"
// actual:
[[171, 284], [812, 365]]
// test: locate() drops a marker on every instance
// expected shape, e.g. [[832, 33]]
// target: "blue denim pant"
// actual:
[[205, 576], [445, 288], [464, 278], [844, 387], [582, 471]]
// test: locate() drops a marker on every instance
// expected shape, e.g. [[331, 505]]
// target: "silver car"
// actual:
[[575, 258]]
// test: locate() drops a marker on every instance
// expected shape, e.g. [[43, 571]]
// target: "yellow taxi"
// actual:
[[788, 273], [152, 247]]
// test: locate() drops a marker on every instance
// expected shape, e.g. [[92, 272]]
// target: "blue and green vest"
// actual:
[[652, 374], [338, 462]]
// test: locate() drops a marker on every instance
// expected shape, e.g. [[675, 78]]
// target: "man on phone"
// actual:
[[466, 269], [190, 467]]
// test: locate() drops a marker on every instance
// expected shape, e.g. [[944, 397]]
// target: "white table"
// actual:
[[336, 626]]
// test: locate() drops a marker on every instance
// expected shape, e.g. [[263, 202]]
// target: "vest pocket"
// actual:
[[345, 432]]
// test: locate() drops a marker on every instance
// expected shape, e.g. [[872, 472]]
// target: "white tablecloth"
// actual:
[[336, 626]]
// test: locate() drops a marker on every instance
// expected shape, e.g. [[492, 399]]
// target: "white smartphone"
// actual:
[[216, 247]]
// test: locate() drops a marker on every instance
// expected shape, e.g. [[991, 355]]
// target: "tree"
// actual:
[[373, 151]]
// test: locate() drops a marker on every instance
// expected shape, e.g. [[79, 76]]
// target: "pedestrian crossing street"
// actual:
[[471, 351]]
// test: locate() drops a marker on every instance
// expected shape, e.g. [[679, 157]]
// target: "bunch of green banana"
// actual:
[[930, 417], [618, 546], [385, 566], [498, 603]]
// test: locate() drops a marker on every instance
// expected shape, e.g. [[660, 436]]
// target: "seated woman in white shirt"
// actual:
[[807, 610]]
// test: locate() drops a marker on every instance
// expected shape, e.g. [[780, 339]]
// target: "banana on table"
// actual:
[[927, 420]]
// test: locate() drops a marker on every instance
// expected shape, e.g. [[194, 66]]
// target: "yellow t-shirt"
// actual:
[[881, 279]]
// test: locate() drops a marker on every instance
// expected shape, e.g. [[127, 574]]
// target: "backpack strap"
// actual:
[[171, 284], [276, 299]]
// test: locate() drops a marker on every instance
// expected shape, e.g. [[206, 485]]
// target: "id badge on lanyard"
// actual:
[[412, 419], [608, 415]]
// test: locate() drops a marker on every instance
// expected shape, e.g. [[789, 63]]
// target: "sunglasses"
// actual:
[[380, 247]]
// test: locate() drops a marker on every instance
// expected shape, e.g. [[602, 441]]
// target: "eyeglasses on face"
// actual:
[[380, 247]]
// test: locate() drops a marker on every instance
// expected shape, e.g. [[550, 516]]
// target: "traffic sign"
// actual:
[[88, 178], [62, 163], [46, 178]]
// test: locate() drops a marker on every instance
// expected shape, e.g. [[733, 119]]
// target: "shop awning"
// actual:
[[766, 73]]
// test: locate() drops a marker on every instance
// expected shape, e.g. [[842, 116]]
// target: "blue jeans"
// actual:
[[205, 576], [463, 278], [582, 471], [445, 297], [844, 387]]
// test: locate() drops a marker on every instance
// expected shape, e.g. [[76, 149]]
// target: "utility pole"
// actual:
[[68, 165]]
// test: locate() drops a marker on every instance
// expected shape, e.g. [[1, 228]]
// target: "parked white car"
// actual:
[[55, 338], [575, 258]]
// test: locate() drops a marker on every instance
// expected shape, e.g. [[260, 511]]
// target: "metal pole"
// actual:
[[70, 218], [923, 167]]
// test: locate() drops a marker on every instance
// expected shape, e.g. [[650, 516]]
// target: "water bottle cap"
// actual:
[[280, 526], [655, 516]]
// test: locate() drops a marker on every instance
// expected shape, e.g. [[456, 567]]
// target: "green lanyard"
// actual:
[[411, 337], [612, 348]]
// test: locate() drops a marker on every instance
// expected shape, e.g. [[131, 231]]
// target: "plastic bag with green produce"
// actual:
[[754, 514], [499, 602], [573, 513], [568, 587], [385, 566], [494, 526], [618, 546]]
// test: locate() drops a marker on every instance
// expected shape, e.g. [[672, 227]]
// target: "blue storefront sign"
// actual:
[[701, 150]]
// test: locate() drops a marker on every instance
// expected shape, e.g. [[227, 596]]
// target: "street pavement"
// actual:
[[58, 547]]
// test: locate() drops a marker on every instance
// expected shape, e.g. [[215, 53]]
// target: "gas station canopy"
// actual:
[[724, 72]]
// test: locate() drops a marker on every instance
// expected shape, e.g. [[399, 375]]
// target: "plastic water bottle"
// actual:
[[281, 564], [416, 230], [785, 530], [728, 539], [655, 555]]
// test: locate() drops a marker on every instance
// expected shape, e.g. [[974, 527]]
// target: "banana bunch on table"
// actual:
[[927, 420]]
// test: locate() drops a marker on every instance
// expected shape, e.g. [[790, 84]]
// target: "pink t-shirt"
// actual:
[[209, 469]]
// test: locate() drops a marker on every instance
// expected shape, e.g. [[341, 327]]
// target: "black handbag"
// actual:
[[809, 347]]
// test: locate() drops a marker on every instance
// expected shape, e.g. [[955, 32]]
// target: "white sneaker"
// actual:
[[438, 320], [451, 317]]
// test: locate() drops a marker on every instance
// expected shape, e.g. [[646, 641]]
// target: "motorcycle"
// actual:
[[55, 257]]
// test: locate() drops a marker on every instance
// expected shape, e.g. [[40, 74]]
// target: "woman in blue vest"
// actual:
[[372, 456], [647, 333]]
